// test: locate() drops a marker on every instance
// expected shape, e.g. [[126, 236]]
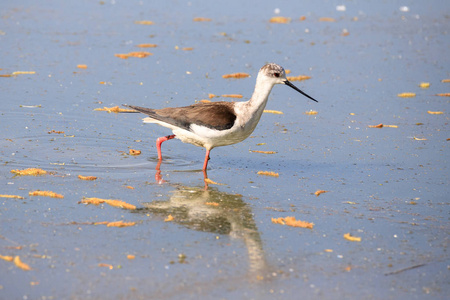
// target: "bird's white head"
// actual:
[[274, 74]]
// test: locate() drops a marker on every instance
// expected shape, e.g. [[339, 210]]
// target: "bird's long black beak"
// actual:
[[288, 83]]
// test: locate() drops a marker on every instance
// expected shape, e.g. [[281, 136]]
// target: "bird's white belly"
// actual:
[[210, 138]]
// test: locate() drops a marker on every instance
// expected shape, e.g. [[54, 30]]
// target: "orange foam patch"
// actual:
[[298, 78], [268, 173], [291, 221], [87, 177], [120, 224], [236, 75], [200, 19], [112, 202], [280, 20], [21, 265], [45, 194], [135, 152], [318, 192], [11, 196], [29, 172], [114, 109]]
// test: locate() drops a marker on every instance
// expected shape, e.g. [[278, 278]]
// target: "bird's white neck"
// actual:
[[250, 112], [260, 96]]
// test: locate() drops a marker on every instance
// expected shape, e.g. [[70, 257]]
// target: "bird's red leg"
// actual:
[[159, 142], [158, 176], [205, 164]]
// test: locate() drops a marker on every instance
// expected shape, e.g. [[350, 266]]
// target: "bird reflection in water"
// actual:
[[159, 178], [216, 212]]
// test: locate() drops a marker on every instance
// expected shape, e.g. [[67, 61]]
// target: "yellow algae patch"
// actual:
[[114, 109], [144, 22], [264, 152], [381, 125], [45, 194], [21, 264], [29, 172], [318, 192], [424, 85], [311, 112], [351, 238], [122, 56], [135, 152], [87, 177], [270, 111], [406, 95], [268, 173], [291, 221], [7, 257], [280, 20], [236, 75], [115, 203], [54, 131], [232, 96], [106, 265], [326, 19], [147, 45], [200, 19], [138, 54], [11, 196], [209, 181], [101, 223], [23, 73], [169, 218], [298, 78], [120, 224]]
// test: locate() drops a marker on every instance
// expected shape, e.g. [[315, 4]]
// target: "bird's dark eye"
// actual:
[[276, 74]]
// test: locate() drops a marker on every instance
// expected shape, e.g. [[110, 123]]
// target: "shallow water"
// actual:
[[386, 185]]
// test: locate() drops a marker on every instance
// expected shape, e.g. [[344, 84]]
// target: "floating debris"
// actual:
[[406, 95], [270, 111], [268, 173], [29, 172], [112, 202], [45, 194], [87, 177], [236, 75], [318, 192], [135, 152], [351, 238], [11, 196], [116, 109], [291, 221], [280, 20], [144, 22]]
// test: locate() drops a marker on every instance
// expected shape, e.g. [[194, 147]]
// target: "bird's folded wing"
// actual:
[[214, 115]]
